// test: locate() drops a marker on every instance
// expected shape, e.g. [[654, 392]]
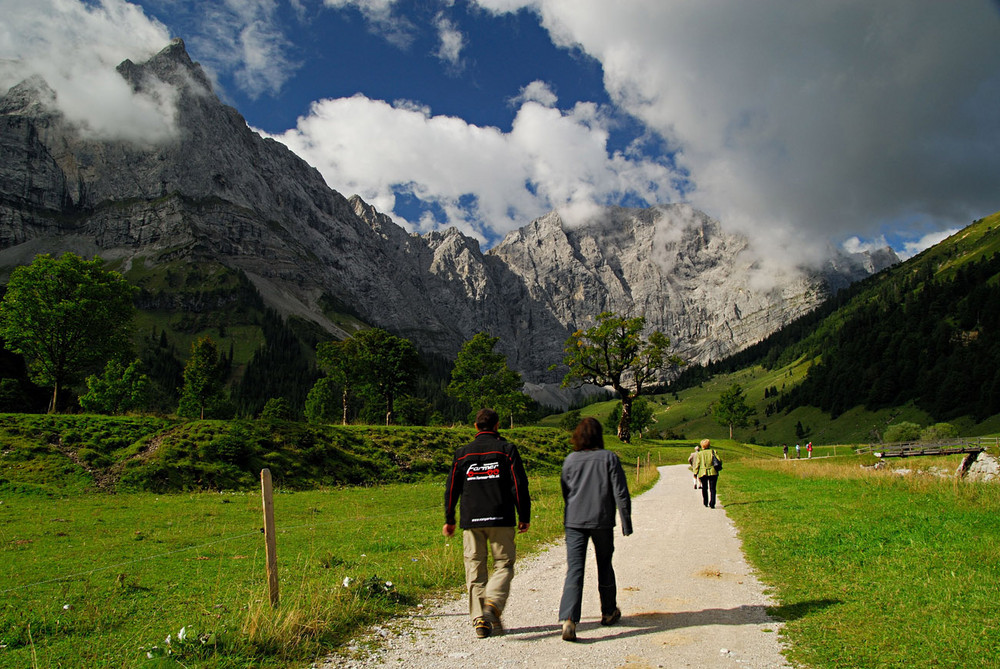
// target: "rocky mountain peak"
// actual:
[[172, 65], [32, 97], [219, 192]]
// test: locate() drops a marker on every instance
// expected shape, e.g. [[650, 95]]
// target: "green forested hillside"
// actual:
[[922, 334]]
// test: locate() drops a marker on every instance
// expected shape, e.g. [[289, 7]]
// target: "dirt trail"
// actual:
[[688, 599]]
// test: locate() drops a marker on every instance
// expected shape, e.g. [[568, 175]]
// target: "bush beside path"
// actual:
[[687, 595]]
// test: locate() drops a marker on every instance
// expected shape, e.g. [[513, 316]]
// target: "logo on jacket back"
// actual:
[[482, 472]]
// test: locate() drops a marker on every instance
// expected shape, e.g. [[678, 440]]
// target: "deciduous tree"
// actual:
[[66, 316], [388, 365], [732, 409], [321, 401], [614, 353], [340, 362], [481, 378]]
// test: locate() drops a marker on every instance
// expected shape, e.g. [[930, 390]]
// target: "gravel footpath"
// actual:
[[688, 599]]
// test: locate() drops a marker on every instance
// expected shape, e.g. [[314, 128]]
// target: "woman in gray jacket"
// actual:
[[593, 485]]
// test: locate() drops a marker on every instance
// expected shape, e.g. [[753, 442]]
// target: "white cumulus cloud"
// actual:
[[485, 181], [822, 118], [75, 48]]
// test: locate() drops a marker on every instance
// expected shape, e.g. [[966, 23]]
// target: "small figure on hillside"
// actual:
[[707, 473], [784, 449], [593, 485], [488, 476], [798, 451], [694, 454], [809, 450]]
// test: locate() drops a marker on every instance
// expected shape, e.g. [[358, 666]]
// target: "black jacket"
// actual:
[[487, 475], [593, 484]]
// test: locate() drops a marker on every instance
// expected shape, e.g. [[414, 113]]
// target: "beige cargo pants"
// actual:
[[482, 586]]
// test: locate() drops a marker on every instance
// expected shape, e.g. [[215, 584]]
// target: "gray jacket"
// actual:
[[593, 484]]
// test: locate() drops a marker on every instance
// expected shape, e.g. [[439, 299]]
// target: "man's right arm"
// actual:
[[452, 491]]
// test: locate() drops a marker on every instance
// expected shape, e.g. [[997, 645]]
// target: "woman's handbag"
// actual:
[[716, 462]]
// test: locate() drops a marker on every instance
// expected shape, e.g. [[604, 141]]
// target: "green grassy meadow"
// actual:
[[873, 568], [101, 580], [868, 568]]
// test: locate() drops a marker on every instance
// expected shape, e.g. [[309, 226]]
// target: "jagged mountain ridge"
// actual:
[[219, 192]]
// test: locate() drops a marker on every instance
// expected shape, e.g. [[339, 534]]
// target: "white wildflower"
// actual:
[[347, 581]]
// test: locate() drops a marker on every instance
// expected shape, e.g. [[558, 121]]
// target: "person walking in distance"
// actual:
[[798, 451], [784, 449], [593, 485], [707, 473], [694, 454], [488, 477], [809, 450]]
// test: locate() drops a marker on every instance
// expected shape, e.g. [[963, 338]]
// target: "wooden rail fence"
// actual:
[[909, 449]]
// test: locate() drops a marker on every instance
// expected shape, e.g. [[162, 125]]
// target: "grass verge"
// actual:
[[873, 569]]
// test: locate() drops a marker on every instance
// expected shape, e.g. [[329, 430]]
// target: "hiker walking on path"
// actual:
[[809, 450], [706, 473], [593, 485], [784, 450], [488, 477], [798, 451], [694, 454]]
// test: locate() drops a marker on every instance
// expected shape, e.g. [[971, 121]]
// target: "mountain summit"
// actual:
[[215, 191]]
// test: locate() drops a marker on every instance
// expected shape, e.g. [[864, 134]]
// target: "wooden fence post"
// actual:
[[638, 470], [270, 543]]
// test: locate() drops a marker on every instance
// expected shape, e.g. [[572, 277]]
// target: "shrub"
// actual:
[[939, 432], [904, 431], [570, 420], [277, 408]]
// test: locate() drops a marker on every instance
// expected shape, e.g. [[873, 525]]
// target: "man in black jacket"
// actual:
[[488, 476]]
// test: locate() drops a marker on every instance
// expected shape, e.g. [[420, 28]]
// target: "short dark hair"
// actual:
[[588, 435], [487, 419]]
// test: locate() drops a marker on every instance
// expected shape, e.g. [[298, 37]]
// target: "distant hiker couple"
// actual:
[[488, 477]]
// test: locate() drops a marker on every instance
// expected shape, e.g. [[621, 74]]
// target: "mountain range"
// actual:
[[219, 194]]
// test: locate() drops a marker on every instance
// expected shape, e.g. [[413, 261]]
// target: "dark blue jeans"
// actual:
[[576, 555], [708, 489]]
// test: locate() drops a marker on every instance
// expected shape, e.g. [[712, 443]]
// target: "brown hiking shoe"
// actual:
[[569, 630], [491, 613], [483, 628], [611, 618]]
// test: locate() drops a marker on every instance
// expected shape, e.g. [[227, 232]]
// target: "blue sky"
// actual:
[[801, 124]]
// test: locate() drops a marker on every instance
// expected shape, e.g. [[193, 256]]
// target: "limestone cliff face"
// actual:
[[673, 265], [219, 192]]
